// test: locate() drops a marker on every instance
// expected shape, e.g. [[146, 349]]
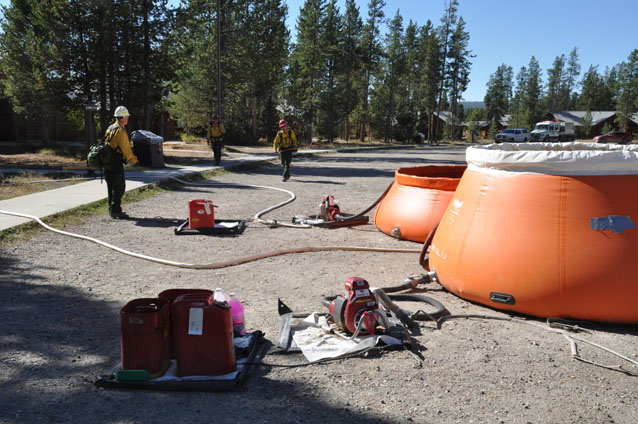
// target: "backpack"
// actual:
[[99, 157]]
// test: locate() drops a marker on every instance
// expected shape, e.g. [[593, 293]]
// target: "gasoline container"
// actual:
[[545, 229], [201, 214], [145, 337], [171, 295], [416, 200], [203, 333]]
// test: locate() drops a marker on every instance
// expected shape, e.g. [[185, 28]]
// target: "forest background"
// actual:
[[341, 77]]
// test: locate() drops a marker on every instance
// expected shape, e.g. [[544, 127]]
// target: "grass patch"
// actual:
[[192, 139], [76, 216], [16, 185]]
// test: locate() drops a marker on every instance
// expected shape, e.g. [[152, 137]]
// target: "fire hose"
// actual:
[[257, 217], [215, 265]]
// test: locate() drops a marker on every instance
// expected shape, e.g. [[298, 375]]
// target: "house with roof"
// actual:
[[598, 120]]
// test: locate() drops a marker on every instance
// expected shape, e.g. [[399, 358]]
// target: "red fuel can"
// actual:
[[145, 337], [203, 336], [171, 295], [201, 214]]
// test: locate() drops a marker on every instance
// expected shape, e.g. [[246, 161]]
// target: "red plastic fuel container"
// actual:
[[203, 335], [145, 335], [201, 214], [171, 295]]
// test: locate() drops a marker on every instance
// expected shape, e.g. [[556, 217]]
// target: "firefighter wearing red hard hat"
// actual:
[[215, 138], [285, 143], [117, 139]]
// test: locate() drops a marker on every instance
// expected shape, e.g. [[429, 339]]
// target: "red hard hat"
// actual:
[[283, 123]]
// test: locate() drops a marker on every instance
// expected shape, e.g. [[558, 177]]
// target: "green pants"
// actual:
[[116, 186], [286, 158], [217, 144]]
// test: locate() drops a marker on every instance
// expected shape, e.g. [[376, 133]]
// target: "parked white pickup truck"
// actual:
[[513, 135]]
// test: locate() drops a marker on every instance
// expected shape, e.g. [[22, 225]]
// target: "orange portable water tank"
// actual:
[[416, 200], [201, 214], [544, 229]]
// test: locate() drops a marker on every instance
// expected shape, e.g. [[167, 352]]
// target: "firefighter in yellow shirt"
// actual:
[[117, 139], [285, 143], [215, 138]]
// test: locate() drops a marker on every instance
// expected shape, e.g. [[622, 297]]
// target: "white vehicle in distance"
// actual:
[[554, 132], [513, 135]]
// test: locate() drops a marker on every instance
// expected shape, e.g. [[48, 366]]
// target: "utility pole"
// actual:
[[219, 66]]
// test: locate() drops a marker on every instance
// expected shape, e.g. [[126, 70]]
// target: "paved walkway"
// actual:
[[50, 202]]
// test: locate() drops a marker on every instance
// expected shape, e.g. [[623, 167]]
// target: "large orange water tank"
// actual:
[[544, 229], [416, 200]]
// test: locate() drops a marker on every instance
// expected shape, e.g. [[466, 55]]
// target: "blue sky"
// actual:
[[511, 31]]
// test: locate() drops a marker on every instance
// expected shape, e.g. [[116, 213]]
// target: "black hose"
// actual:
[[440, 309], [426, 244], [327, 300], [360, 214], [402, 287]]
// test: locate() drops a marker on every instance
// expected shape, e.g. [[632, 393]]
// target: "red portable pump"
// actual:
[[329, 210], [357, 306]]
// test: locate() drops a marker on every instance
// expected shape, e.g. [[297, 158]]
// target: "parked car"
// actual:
[[614, 137], [513, 135]]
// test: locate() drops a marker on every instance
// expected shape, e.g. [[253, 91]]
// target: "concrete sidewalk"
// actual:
[[50, 202]]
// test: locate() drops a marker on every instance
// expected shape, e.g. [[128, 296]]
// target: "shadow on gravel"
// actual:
[[286, 402], [40, 357]]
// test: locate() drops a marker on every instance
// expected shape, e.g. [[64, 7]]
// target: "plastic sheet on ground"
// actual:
[[316, 343]]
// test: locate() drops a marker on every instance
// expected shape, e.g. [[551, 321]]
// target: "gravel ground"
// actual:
[[59, 322]]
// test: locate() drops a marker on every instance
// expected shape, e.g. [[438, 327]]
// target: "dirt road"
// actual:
[[59, 319]]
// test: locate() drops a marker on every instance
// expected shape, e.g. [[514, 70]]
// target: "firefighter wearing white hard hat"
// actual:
[[285, 143], [121, 112], [117, 139]]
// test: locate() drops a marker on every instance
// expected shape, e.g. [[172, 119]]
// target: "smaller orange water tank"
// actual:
[[416, 200]]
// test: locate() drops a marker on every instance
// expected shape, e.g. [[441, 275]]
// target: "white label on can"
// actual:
[[361, 293], [195, 321]]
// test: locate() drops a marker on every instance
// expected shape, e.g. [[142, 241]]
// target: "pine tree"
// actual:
[[395, 56], [627, 90], [352, 30], [531, 101], [568, 96], [371, 56], [408, 96], [445, 30], [592, 95], [586, 122], [333, 64], [36, 79], [519, 113], [499, 92], [458, 73], [555, 81], [430, 53], [310, 56]]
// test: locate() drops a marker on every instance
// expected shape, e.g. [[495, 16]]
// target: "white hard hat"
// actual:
[[121, 112]]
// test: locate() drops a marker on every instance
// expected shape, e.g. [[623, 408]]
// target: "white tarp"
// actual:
[[555, 158], [316, 343]]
